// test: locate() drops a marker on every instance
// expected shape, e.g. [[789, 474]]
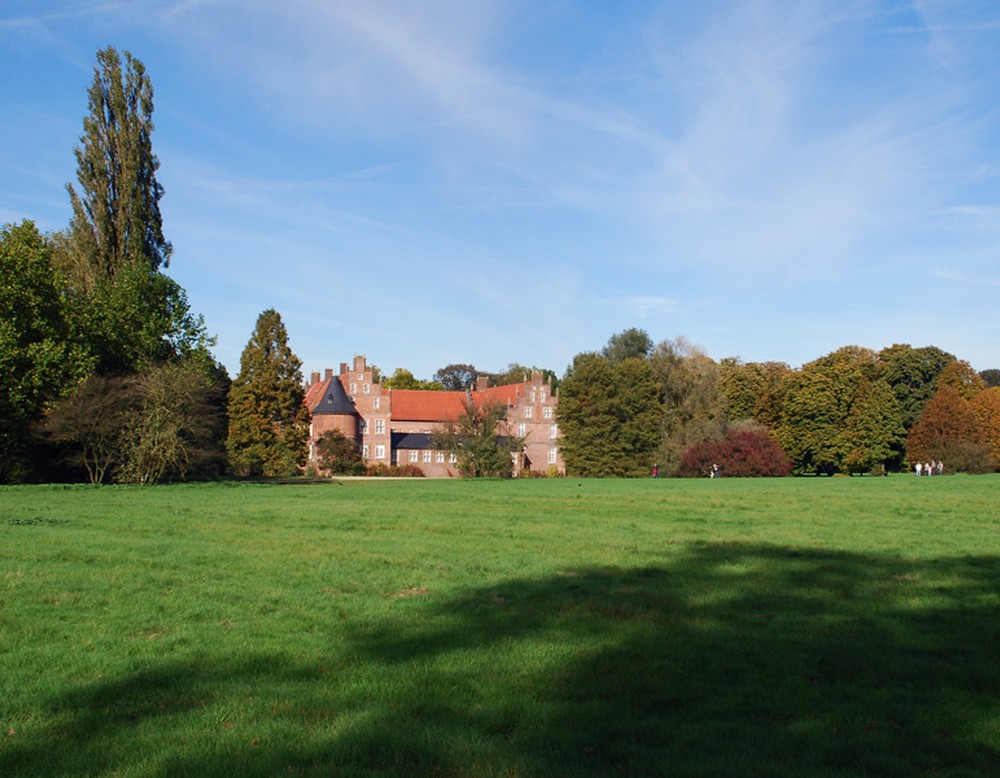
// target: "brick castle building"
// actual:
[[394, 426]]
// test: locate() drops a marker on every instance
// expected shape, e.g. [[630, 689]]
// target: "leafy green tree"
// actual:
[[128, 313], [692, 403], [874, 435], [38, 359], [990, 377], [751, 390], [338, 453], [825, 411], [912, 373], [609, 416], [165, 423], [515, 373], [268, 420], [632, 343], [174, 426], [404, 379], [477, 439], [457, 377]]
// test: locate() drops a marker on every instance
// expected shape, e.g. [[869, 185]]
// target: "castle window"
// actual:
[[529, 411], [365, 451], [553, 431], [553, 453], [379, 426], [368, 388], [522, 429], [380, 451], [547, 412], [453, 457], [439, 457], [414, 455], [427, 455], [375, 403]]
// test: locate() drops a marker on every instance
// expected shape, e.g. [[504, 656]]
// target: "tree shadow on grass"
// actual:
[[720, 660]]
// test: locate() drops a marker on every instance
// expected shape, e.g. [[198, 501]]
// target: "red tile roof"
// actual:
[[315, 393], [427, 405]]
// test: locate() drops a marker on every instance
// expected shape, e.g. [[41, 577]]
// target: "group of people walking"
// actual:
[[929, 468]]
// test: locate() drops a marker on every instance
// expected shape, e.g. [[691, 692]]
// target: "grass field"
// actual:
[[788, 627]]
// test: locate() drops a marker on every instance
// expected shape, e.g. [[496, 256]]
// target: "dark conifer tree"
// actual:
[[268, 420]]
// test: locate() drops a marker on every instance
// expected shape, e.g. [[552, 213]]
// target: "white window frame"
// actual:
[[553, 455], [414, 455], [380, 450], [547, 412], [529, 411], [427, 455], [380, 426]]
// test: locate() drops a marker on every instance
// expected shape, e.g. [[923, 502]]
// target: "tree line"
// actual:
[[107, 375], [635, 405]]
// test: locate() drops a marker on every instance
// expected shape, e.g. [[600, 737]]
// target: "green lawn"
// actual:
[[790, 627]]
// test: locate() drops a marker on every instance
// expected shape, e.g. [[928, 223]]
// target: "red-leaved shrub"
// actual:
[[743, 452]]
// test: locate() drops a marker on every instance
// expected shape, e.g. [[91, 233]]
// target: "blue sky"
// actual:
[[491, 182]]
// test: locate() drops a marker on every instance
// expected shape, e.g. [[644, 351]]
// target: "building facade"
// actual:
[[395, 426]]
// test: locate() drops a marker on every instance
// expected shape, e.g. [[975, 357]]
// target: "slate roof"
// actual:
[[329, 397], [418, 440]]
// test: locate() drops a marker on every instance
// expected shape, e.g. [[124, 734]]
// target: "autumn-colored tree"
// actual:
[[960, 375], [949, 431], [818, 403], [986, 406], [268, 420]]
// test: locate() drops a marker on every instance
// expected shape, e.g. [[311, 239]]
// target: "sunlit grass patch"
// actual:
[[823, 627]]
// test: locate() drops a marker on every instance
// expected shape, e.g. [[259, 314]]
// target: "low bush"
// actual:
[[743, 452]]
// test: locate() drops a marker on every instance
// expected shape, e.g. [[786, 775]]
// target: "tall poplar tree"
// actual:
[[116, 214], [268, 420], [128, 313]]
